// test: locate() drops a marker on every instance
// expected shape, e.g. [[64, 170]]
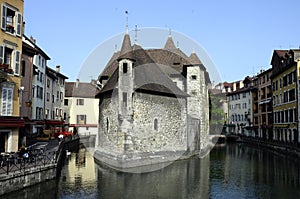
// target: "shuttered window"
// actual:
[[6, 101], [11, 20], [17, 62]]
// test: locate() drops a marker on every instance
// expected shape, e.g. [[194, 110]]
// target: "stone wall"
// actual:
[[19, 180], [159, 123], [169, 132], [109, 137]]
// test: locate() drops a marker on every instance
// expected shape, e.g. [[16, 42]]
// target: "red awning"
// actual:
[[11, 121], [83, 125], [49, 122]]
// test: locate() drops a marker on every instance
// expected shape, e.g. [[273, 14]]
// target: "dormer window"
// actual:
[[11, 20], [125, 67]]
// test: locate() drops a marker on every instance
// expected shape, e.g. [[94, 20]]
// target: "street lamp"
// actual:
[[28, 103]]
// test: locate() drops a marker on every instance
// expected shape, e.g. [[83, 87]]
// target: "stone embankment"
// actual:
[[43, 163]]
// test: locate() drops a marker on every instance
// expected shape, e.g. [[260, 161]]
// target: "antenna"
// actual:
[[170, 32]]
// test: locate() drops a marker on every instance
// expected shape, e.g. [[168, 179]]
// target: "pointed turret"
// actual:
[[170, 43], [194, 59], [170, 46], [126, 49]]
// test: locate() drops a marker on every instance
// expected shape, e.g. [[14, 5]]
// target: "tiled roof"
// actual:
[[162, 63], [170, 43], [126, 49], [148, 77], [54, 73], [83, 89], [193, 59]]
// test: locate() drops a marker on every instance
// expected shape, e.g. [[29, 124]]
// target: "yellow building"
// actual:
[[284, 87], [10, 73]]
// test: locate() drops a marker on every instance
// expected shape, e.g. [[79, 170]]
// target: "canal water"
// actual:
[[230, 171]]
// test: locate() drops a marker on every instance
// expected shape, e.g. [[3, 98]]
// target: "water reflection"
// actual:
[[78, 176], [240, 171], [232, 171], [183, 179]]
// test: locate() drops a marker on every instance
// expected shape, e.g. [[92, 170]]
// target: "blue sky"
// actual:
[[238, 36]]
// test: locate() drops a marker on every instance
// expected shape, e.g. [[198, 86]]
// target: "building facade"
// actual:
[[262, 105], [285, 85], [240, 111], [81, 107], [54, 98], [37, 86], [10, 73]]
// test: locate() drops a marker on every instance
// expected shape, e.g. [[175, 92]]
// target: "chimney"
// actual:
[[32, 39], [58, 68], [77, 83]]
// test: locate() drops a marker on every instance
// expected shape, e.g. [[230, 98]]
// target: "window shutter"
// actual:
[[19, 24], [1, 54], [4, 101], [3, 19], [9, 101], [17, 62]]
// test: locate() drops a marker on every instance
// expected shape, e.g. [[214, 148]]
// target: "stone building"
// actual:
[[153, 106]]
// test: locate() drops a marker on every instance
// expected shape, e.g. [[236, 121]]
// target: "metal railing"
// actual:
[[14, 162]]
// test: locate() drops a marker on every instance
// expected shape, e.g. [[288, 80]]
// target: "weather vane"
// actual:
[[126, 12]]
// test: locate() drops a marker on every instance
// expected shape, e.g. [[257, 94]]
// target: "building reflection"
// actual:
[[80, 169], [241, 171], [182, 179]]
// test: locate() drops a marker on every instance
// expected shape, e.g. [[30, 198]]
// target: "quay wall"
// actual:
[[282, 148], [19, 180]]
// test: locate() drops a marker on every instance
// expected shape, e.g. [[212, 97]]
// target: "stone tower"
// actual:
[[197, 103], [125, 91]]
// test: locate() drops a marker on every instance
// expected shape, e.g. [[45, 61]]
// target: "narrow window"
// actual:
[[155, 124], [3, 21], [107, 124], [1, 54], [125, 67], [23, 69], [194, 77], [125, 99]]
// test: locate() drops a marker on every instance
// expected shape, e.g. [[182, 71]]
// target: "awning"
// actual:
[[83, 125], [49, 122], [11, 121]]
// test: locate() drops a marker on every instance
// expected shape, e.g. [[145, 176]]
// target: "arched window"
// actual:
[[155, 124]]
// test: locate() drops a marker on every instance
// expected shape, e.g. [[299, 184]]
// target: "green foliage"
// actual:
[[217, 114]]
